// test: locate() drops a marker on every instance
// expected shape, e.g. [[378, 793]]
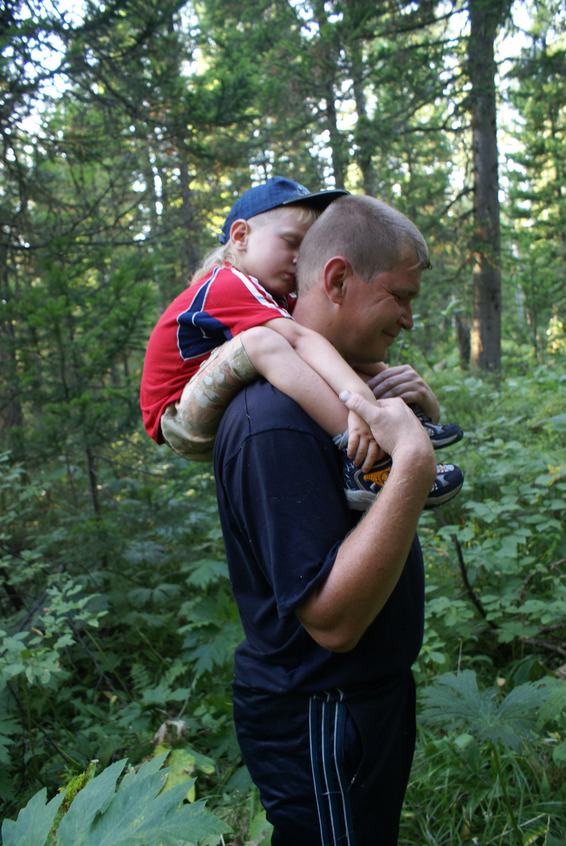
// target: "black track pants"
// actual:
[[332, 768]]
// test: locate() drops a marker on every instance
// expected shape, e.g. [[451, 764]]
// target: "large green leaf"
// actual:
[[93, 800], [138, 813], [34, 821], [455, 700]]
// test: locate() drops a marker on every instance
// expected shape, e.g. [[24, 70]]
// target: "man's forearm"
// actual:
[[368, 565], [372, 557]]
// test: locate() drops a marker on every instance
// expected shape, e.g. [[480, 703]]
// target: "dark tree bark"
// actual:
[[486, 16]]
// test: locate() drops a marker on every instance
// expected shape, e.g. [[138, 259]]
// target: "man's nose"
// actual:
[[406, 320]]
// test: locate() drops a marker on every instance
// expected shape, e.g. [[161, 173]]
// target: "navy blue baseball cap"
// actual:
[[277, 191]]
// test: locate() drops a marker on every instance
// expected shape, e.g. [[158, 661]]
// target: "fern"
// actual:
[[455, 700], [140, 676], [8, 727]]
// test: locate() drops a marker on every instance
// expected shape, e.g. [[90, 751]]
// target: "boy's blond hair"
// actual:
[[225, 253]]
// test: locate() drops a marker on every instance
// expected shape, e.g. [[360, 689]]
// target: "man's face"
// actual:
[[374, 313]]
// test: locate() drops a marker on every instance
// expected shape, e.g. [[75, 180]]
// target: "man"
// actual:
[[332, 610]]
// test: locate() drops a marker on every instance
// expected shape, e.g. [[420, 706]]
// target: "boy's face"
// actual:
[[268, 247]]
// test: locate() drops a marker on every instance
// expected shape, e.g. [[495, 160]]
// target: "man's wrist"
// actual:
[[417, 462]]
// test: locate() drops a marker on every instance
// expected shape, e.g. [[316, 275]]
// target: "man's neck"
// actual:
[[304, 313], [313, 313]]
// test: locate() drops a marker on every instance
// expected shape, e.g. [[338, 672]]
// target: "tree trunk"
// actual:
[[485, 18], [329, 90], [365, 141], [190, 255]]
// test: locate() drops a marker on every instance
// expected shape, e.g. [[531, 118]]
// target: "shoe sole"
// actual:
[[439, 443], [362, 500], [433, 501]]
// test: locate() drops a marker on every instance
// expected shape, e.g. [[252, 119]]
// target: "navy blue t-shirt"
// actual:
[[284, 516]]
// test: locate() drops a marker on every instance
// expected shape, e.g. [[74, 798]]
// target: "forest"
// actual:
[[127, 129]]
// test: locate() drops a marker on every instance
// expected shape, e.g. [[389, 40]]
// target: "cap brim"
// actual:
[[320, 200]]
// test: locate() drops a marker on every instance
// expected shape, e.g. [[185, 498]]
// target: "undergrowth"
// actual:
[[119, 629]]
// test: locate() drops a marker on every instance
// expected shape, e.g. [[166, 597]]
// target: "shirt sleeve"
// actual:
[[238, 302]]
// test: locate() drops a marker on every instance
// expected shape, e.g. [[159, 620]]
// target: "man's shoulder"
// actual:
[[260, 408], [260, 403]]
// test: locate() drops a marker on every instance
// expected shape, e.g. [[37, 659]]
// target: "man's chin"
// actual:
[[367, 360], [387, 341]]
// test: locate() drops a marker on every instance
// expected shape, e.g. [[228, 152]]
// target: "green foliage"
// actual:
[[502, 538], [95, 662], [124, 649], [455, 798], [537, 176], [34, 821], [455, 700], [489, 757], [118, 626], [137, 811], [496, 603]]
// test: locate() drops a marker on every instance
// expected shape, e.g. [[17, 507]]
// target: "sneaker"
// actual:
[[440, 435], [362, 488], [448, 483]]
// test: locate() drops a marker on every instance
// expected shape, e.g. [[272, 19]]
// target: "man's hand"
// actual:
[[403, 381]]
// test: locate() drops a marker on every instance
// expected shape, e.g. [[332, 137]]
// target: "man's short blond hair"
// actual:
[[372, 236]]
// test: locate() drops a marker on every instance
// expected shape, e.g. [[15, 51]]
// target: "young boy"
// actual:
[[234, 323]]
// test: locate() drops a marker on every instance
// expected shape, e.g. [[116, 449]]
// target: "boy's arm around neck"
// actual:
[[321, 356]]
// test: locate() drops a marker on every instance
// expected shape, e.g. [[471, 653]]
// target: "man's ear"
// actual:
[[335, 275], [239, 232]]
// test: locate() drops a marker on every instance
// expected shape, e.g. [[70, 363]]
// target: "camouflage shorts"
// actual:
[[189, 426]]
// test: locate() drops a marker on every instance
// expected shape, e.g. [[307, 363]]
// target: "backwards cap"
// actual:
[[276, 192]]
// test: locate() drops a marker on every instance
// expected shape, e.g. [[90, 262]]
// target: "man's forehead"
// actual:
[[409, 289], [404, 279]]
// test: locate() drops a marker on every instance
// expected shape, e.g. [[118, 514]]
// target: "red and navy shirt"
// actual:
[[215, 309]]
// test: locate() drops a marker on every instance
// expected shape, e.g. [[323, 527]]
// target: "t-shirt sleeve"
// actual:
[[238, 302]]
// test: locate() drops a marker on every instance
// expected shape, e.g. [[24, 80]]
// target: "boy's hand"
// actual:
[[362, 446], [396, 426]]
